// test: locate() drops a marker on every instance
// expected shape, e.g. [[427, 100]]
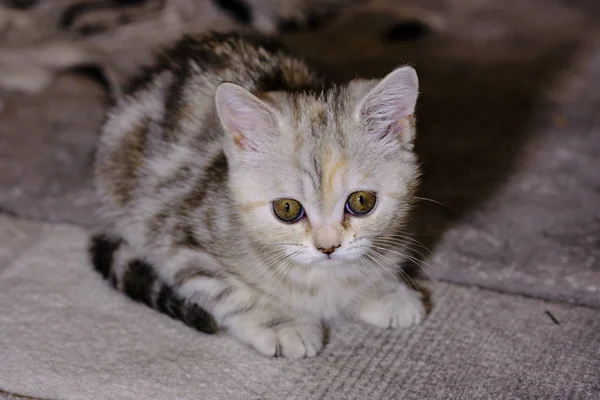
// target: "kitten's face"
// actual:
[[324, 180]]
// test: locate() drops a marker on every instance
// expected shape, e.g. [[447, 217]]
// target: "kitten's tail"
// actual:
[[126, 272]]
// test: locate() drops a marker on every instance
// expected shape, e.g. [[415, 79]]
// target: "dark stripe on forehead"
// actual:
[[316, 131], [313, 173], [317, 176]]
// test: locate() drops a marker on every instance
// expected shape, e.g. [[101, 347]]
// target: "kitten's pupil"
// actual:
[[361, 200], [287, 207]]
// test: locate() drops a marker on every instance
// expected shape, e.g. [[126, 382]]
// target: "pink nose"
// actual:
[[328, 250]]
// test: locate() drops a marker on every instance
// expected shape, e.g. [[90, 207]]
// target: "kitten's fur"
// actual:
[[188, 167]]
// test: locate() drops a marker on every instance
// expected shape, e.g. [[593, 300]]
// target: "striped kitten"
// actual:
[[241, 194]]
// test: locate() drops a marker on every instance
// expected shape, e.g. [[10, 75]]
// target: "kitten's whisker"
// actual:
[[369, 273], [437, 202], [367, 276], [266, 264], [384, 267], [407, 238], [285, 270], [231, 266], [288, 277], [389, 247], [392, 248], [399, 269], [399, 236], [418, 264], [404, 255], [377, 263], [402, 245], [287, 244]]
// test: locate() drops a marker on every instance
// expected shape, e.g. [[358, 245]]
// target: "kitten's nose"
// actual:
[[328, 250]]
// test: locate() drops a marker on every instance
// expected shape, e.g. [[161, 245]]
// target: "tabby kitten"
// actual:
[[242, 194]]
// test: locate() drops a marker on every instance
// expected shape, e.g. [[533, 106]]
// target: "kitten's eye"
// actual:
[[361, 203], [288, 210]]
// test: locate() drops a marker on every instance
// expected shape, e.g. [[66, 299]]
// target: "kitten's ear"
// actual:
[[248, 120], [386, 108]]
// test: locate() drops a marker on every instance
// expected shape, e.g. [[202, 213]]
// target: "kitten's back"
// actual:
[[167, 117]]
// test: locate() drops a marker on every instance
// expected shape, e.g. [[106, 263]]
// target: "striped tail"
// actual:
[[137, 279]]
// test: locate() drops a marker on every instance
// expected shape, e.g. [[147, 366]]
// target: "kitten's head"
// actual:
[[322, 177]]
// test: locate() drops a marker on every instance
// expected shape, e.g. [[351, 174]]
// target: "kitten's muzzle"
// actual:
[[328, 250]]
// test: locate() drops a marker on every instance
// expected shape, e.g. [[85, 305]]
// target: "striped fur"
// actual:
[[141, 283], [188, 167]]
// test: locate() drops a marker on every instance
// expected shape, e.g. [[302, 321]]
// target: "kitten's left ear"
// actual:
[[386, 108], [249, 121]]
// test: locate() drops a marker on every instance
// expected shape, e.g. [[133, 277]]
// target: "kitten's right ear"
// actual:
[[386, 109], [248, 120]]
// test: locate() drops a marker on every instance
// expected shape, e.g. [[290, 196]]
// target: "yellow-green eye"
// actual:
[[288, 210], [361, 203]]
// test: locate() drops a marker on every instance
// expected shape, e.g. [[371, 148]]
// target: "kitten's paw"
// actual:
[[288, 338], [298, 339], [400, 308]]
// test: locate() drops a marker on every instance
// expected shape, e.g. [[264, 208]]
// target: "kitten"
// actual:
[[240, 193]]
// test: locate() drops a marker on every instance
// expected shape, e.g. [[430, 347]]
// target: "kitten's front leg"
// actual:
[[278, 335], [253, 319], [391, 306]]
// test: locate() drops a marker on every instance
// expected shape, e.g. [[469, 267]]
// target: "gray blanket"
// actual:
[[66, 335]]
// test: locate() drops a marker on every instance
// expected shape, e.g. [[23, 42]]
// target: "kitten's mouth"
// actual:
[[330, 261], [334, 259]]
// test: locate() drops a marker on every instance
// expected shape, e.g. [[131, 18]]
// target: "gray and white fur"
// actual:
[[192, 161]]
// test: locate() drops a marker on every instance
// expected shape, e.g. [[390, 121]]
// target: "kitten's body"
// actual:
[[188, 187]]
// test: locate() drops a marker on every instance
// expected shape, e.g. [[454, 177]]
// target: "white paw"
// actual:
[[291, 338], [400, 308], [299, 339]]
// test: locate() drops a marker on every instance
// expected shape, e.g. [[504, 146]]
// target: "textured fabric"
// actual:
[[16, 235], [539, 232], [66, 335], [46, 152], [12, 396]]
